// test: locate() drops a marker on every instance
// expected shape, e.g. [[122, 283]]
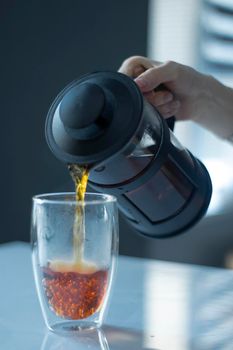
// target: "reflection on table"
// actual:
[[154, 305]]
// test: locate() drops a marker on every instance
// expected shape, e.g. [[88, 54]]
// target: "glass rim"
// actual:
[[60, 198]]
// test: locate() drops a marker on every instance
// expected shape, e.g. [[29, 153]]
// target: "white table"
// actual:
[[154, 305]]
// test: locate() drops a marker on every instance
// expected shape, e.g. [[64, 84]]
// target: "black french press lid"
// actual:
[[94, 117]]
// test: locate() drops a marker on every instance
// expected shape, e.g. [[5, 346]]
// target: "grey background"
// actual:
[[44, 46]]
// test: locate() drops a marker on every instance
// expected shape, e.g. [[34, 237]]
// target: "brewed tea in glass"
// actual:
[[74, 249]]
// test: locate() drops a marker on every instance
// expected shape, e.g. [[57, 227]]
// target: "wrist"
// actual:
[[215, 107]]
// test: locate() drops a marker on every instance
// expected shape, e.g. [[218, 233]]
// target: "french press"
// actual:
[[103, 122]]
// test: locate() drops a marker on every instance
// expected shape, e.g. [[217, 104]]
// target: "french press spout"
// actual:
[[103, 122]]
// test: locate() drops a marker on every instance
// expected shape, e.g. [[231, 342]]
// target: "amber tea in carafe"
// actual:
[[103, 120]]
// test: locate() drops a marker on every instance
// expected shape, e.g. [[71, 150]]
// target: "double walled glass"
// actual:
[[74, 249]]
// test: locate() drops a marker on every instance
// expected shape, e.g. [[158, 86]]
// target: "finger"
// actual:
[[169, 109], [138, 70], [158, 98], [135, 65], [155, 76]]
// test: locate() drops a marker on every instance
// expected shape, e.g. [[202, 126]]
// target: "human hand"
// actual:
[[184, 87]]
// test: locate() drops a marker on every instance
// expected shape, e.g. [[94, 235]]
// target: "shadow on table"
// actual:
[[107, 338]]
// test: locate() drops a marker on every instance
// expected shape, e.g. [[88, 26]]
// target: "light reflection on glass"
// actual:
[[82, 340], [211, 310], [216, 155], [106, 338], [166, 305], [221, 173], [188, 309]]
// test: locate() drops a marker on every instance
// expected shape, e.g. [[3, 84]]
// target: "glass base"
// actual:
[[73, 326]]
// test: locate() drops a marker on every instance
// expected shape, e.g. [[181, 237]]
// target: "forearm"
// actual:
[[216, 108]]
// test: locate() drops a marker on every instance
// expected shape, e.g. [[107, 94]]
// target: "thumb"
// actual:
[[153, 77]]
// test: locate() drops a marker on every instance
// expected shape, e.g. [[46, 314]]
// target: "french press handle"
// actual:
[[170, 121]]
